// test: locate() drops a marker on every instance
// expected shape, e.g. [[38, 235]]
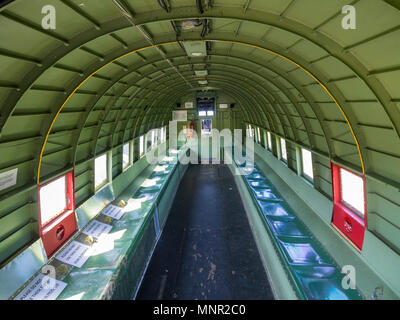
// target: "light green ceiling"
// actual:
[[39, 69]]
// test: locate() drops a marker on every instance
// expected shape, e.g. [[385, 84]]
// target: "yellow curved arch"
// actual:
[[222, 41]]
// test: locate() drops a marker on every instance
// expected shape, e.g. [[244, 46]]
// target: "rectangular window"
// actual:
[[269, 140], [307, 168], [100, 170], [57, 222], [258, 135], [141, 146], [349, 209], [265, 139], [165, 134], [352, 190], [126, 150], [153, 138], [251, 132], [283, 149], [53, 199], [206, 127]]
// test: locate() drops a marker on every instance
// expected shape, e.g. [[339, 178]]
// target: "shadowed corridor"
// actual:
[[207, 250]]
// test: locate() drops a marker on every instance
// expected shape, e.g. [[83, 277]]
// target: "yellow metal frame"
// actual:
[[221, 41]]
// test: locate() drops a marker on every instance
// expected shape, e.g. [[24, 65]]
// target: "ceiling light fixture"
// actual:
[[201, 73]]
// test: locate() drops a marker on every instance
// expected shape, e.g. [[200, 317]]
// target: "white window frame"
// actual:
[[158, 136], [269, 140], [126, 165], [151, 139], [251, 132], [146, 142], [348, 192], [283, 146], [99, 184], [53, 199], [306, 155], [265, 139], [142, 150], [154, 138], [163, 134]]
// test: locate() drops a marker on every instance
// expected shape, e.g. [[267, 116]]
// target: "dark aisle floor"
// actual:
[[207, 250]]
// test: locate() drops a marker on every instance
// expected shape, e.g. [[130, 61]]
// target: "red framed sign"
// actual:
[[349, 204], [57, 221]]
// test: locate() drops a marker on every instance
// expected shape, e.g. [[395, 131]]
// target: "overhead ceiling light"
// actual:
[[195, 48], [201, 73], [203, 82]]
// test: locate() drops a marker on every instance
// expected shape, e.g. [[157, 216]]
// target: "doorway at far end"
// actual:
[[206, 127]]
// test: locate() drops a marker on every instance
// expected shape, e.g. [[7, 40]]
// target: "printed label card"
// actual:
[[42, 288]]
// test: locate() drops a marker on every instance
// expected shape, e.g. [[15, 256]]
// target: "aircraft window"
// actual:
[[141, 146], [165, 133], [306, 157], [251, 132], [265, 140], [100, 170], [349, 208], [57, 221], [53, 199], [126, 155], [283, 149], [269, 140], [148, 142], [153, 134], [153, 138], [352, 190]]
